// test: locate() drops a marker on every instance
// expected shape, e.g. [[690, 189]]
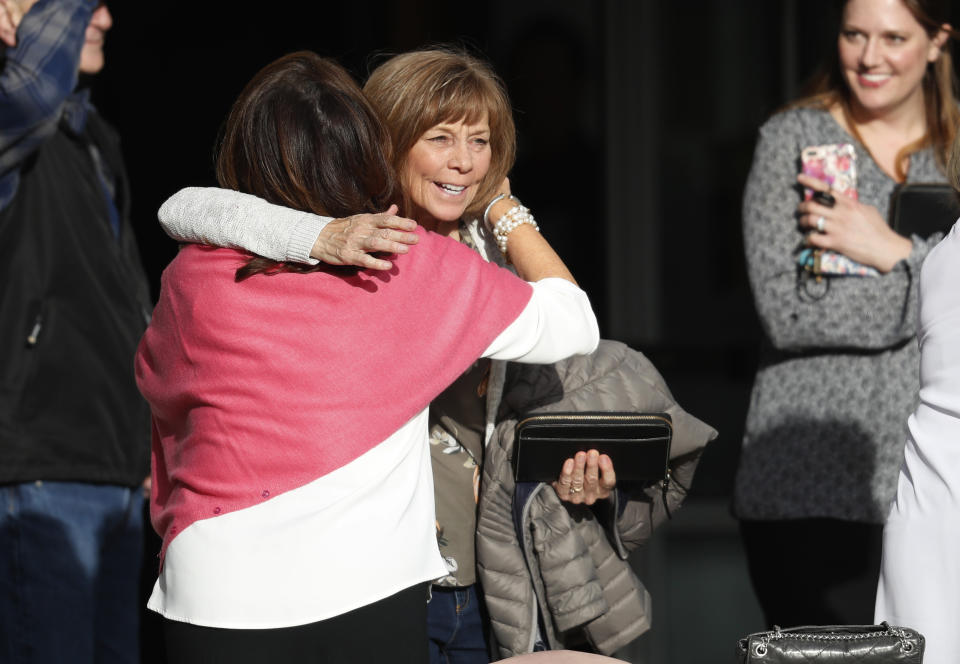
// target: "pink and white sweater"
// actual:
[[291, 476]]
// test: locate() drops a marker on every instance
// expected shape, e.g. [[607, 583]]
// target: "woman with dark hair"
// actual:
[[838, 366], [291, 476], [451, 125]]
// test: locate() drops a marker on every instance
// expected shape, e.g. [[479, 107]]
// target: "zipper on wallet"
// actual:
[[587, 418]]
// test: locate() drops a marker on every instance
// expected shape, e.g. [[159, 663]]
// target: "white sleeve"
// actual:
[[227, 218], [556, 323]]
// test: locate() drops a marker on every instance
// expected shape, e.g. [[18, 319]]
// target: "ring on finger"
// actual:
[[821, 224], [576, 489]]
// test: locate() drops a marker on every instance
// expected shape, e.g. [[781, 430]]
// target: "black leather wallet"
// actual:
[[919, 208], [637, 443]]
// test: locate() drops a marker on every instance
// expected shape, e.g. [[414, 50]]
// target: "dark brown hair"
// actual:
[[302, 135], [415, 91], [828, 87]]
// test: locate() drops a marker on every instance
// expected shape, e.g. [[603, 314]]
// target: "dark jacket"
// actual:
[[73, 304]]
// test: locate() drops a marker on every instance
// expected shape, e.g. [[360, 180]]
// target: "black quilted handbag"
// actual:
[[847, 644]]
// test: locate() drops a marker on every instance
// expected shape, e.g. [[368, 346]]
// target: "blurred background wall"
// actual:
[[636, 122]]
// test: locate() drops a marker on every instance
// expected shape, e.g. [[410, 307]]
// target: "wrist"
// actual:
[[305, 243], [490, 215], [900, 249], [320, 231], [516, 216], [498, 209]]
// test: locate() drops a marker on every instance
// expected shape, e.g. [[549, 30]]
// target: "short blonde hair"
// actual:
[[415, 91]]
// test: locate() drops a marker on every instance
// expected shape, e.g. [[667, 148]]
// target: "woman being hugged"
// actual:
[[291, 477], [452, 129], [838, 368]]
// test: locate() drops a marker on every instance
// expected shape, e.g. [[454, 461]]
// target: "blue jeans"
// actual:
[[70, 559], [456, 627]]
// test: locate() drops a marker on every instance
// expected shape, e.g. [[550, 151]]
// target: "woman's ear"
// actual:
[[939, 41]]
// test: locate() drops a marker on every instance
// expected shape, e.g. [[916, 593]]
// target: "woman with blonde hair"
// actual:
[[452, 129], [838, 366], [291, 478]]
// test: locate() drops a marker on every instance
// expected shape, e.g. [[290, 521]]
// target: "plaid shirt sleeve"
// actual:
[[37, 76]]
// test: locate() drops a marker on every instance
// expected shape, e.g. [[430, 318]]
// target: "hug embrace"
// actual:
[[294, 394]]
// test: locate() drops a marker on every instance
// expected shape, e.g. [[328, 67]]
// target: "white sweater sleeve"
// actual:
[[227, 218], [556, 323]]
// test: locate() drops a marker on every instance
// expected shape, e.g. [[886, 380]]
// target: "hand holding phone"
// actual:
[[836, 165]]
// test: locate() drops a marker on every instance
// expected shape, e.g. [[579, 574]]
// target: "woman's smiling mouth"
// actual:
[[452, 189], [873, 80]]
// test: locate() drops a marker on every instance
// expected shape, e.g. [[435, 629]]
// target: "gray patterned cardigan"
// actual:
[[838, 375]]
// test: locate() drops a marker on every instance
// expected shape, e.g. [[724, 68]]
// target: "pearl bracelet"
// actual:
[[513, 218]]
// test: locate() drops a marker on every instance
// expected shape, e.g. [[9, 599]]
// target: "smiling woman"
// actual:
[[451, 125], [444, 169], [884, 52], [292, 476], [453, 129], [838, 372]]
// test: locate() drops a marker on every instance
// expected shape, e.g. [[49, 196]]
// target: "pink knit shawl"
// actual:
[[263, 386]]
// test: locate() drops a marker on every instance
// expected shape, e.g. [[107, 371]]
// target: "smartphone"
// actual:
[[835, 164]]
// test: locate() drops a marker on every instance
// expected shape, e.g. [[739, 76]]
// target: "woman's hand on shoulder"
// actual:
[[851, 228], [352, 240], [586, 478]]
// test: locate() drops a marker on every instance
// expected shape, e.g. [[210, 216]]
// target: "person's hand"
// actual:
[[351, 240], [11, 13], [146, 486], [586, 478], [504, 187], [851, 228]]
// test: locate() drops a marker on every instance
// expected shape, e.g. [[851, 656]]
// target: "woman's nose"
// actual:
[[870, 55], [461, 158]]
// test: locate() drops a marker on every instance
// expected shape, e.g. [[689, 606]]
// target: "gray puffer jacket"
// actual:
[[556, 572]]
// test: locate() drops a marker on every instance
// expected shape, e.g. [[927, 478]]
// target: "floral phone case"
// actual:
[[835, 164]]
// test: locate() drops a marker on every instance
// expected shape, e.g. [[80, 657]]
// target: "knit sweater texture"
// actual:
[[262, 386], [838, 373]]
